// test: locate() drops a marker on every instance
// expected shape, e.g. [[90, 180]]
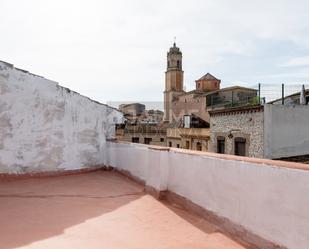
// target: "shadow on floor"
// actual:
[[36, 209], [204, 225], [98, 210]]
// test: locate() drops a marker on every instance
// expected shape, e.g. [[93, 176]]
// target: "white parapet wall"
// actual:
[[268, 198], [46, 127], [148, 165]]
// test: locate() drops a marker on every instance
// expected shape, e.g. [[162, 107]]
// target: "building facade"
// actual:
[[263, 131], [153, 134], [238, 131], [191, 139]]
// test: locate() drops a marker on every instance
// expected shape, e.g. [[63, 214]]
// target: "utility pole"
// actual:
[[282, 94], [259, 93]]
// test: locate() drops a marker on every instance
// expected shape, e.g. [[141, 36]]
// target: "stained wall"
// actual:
[[46, 127]]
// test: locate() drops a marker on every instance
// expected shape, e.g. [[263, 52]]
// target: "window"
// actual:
[[135, 139], [221, 145], [168, 64], [240, 146], [178, 63], [169, 144], [161, 139], [187, 121], [147, 140], [198, 146], [178, 146], [198, 85], [187, 144]]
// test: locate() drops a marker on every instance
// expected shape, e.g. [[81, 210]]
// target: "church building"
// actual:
[[177, 102], [187, 113]]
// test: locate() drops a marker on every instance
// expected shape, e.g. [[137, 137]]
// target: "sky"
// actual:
[[116, 50]]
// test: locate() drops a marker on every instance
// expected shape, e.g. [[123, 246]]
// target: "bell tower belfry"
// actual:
[[173, 80]]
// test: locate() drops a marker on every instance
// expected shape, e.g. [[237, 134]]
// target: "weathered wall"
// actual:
[[248, 125], [45, 127], [267, 200], [286, 131], [190, 103]]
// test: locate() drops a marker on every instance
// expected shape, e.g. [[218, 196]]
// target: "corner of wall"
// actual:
[[267, 127]]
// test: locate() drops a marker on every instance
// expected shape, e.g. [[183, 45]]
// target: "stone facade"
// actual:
[[244, 123]]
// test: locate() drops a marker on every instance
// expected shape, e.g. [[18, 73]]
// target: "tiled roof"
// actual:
[[208, 76]]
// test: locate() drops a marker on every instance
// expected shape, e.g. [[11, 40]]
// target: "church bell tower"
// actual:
[[173, 80]]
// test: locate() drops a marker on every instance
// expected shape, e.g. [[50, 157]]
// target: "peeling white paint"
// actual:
[[46, 127]]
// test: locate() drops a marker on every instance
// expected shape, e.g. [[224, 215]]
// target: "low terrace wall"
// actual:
[[262, 201]]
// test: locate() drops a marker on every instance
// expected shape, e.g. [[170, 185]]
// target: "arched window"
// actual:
[[168, 63], [178, 63]]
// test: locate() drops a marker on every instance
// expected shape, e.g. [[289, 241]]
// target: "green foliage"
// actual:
[[255, 101]]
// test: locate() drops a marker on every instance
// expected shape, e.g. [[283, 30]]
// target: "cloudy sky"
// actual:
[[116, 50]]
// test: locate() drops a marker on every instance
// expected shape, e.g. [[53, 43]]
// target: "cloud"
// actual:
[[297, 62], [116, 50]]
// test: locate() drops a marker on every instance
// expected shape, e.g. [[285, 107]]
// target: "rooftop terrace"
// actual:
[[210, 200], [102, 209]]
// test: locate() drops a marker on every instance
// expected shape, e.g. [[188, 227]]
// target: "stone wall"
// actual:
[[247, 124], [46, 127]]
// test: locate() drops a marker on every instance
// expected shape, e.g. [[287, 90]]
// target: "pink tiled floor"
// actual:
[[97, 210]]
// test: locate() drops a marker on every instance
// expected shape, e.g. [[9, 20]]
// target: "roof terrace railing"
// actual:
[[232, 101]]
